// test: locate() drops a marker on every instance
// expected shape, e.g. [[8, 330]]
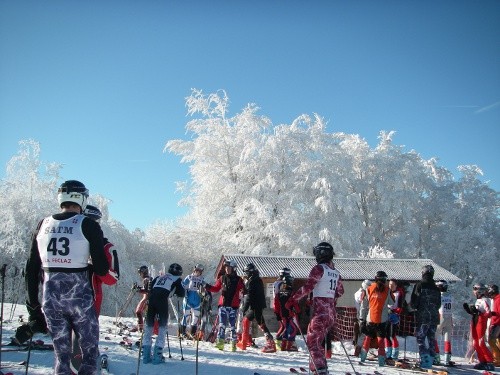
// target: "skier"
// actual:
[[143, 272], [374, 314], [61, 246], [285, 271], [358, 335], [426, 301], [206, 310], [229, 301], [480, 312], [162, 288], [192, 301], [325, 282], [287, 315], [391, 339], [111, 278], [445, 326], [254, 302], [494, 334]]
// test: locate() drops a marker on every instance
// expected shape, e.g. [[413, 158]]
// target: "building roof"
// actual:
[[350, 268]]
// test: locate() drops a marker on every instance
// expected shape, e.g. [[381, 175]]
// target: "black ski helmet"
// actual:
[[288, 280], [323, 252], [479, 290], [428, 270], [381, 276], [175, 269], [442, 285], [230, 263], [492, 290], [143, 270], [249, 269], [285, 271], [92, 212]]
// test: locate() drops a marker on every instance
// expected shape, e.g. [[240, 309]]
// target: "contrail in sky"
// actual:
[[488, 107]]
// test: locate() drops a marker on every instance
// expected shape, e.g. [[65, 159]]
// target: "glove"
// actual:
[[135, 286], [473, 309], [36, 323]]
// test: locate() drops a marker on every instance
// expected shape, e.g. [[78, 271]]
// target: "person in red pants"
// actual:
[[494, 336], [140, 309], [445, 326], [113, 274], [254, 302], [480, 312], [325, 283]]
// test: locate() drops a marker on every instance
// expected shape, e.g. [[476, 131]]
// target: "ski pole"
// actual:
[[178, 328], [296, 322], [3, 295], [168, 344], [16, 291], [198, 332], [125, 304], [140, 351], [347, 355], [29, 354]]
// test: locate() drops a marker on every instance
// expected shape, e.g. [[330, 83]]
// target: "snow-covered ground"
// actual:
[[211, 361]]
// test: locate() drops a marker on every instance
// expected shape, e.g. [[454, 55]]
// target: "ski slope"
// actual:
[[123, 361]]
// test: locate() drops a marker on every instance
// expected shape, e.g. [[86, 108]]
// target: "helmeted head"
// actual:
[[198, 268], [92, 212], [143, 271], [479, 290], [323, 252], [365, 284], [230, 266], [175, 269], [250, 270], [492, 290], [380, 277], [285, 271], [72, 191], [442, 285], [428, 270], [288, 281]]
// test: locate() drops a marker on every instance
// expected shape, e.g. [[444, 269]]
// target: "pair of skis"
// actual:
[[35, 345], [294, 370]]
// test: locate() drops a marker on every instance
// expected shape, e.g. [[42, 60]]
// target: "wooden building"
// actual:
[[352, 270]]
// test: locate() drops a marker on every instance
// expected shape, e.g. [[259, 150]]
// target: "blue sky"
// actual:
[[102, 84]]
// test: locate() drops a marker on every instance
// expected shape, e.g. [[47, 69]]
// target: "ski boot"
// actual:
[[388, 352], [362, 355], [437, 359], [158, 356], [292, 346], [270, 346], [219, 344], [426, 361], [381, 360], [320, 371], [181, 332], [146, 354], [245, 335], [283, 345], [395, 353]]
